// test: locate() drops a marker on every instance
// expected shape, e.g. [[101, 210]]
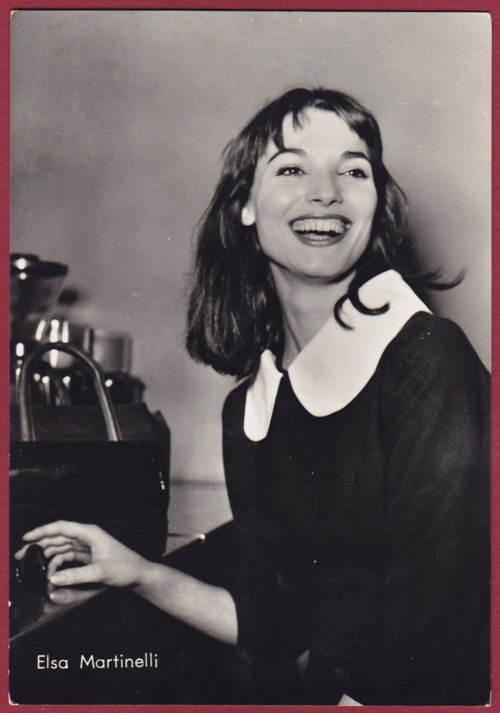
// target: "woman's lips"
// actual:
[[320, 232]]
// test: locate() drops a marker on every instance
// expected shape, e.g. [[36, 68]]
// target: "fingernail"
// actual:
[[57, 579]]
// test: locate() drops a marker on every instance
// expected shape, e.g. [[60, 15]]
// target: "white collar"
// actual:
[[337, 363]]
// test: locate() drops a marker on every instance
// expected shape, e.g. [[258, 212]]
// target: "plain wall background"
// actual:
[[118, 122]]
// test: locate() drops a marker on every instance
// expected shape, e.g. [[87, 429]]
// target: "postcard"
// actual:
[[249, 356]]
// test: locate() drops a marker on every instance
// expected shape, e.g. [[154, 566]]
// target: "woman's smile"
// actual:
[[320, 231]]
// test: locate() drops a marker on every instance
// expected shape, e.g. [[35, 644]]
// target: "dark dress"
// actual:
[[365, 534]]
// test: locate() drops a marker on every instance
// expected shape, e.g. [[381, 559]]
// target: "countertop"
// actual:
[[196, 508]]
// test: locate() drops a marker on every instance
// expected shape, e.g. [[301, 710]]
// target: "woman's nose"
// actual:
[[324, 190]]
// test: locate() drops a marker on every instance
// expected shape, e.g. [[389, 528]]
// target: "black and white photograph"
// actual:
[[250, 356]]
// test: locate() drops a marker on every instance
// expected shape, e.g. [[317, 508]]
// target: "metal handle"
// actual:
[[27, 423]]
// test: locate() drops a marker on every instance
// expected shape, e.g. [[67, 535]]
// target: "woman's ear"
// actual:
[[247, 215]]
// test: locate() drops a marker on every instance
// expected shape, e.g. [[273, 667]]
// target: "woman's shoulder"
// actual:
[[432, 348], [427, 336]]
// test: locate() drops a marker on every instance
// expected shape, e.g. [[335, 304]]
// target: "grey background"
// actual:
[[118, 121]]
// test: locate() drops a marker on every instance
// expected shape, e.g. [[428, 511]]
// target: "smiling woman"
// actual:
[[356, 452]]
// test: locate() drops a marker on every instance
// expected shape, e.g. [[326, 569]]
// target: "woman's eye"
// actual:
[[355, 173], [289, 171]]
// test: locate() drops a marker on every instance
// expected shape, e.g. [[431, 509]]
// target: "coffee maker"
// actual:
[[35, 317]]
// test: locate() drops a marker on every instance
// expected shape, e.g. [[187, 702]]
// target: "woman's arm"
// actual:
[[423, 639], [205, 607], [104, 560]]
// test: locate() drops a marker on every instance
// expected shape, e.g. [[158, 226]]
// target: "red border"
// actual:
[[6, 7]]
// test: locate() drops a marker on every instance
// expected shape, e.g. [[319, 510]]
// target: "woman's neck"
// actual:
[[306, 305]]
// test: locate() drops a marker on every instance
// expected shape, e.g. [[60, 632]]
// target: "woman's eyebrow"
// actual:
[[355, 154], [299, 152]]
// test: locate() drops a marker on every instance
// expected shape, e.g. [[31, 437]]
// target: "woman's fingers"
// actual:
[[55, 540], [51, 551], [105, 560], [62, 595], [63, 529], [87, 574], [48, 549], [72, 545], [20, 553], [71, 556], [54, 545]]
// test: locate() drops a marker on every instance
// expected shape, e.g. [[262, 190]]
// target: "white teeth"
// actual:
[[319, 225]]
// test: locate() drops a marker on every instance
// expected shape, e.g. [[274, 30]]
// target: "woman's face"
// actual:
[[313, 202]]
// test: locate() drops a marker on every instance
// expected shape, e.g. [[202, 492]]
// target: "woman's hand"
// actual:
[[104, 560]]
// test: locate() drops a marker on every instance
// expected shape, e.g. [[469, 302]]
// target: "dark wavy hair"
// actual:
[[234, 313]]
